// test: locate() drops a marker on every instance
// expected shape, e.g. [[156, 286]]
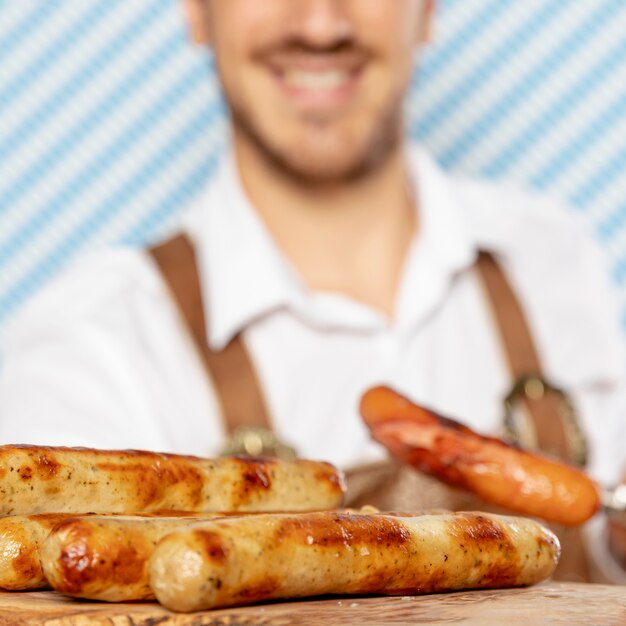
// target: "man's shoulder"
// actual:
[[96, 286], [505, 217], [559, 271], [511, 219], [544, 243]]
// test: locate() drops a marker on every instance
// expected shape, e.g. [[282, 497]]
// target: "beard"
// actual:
[[324, 159]]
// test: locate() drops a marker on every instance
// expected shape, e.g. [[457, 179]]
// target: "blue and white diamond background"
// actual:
[[110, 123]]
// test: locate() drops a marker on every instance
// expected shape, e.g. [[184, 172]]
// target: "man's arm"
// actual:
[[69, 384], [72, 368]]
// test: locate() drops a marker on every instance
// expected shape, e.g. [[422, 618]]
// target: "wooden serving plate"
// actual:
[[552, 603]]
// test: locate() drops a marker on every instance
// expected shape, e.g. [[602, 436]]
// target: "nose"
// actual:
[[321, 23]]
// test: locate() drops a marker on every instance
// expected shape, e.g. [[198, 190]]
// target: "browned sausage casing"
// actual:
[[106, 557], [76, 480], [244, 560], [20, 538]]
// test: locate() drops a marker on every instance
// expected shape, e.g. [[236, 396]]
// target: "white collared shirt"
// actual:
[[101, 358]]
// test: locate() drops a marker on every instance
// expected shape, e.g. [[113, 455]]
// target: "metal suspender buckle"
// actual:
[[519, 428], [256, 441]]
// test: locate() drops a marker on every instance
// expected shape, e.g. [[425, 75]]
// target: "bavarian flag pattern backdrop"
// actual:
[[110, 123]]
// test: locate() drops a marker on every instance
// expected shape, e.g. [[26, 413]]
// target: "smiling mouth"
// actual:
[[317, 80], [319, 87]]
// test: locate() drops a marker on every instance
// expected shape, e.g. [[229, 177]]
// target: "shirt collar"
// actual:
[[242, 273], [244, 276]]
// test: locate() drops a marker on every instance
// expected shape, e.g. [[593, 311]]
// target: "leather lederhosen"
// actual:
[[387, 485]]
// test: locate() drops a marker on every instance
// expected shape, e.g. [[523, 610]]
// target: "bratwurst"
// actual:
[[516, 480], [106, 557], [78, 480], [20, 539], [231, 562], [22, 536]]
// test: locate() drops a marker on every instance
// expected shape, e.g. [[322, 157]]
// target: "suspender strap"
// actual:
[[546, 406], [520, 352], [235, 380], [551, 419]]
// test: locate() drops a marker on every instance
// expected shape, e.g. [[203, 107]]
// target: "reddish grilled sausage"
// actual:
[[523, 482]]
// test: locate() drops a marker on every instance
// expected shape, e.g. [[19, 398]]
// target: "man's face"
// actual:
[[316, 86]]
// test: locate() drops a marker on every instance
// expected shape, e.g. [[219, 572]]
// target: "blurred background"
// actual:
[[110, 123]]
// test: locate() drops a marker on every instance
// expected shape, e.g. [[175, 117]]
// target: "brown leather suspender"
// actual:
[[235, 380], [554, 426], [239, 392]]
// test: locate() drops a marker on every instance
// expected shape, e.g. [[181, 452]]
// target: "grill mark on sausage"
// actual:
[[127, 568], [153, 478], [333, 478], [256, 476], [83, 560], [26, 564], [8, 450], [212, 545], [176, 472], [483, 535], [393, 573], [47, 466], [345, 530], [501, 573], [479, 530], [193, 480], [74, 566], [264, 589], [25, 472], [433, 580]]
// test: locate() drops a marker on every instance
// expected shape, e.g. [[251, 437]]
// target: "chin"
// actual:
[[322, 156], [322, 161], [325, 168]]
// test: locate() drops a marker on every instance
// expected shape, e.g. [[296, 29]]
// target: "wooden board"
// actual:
[[552, 603]]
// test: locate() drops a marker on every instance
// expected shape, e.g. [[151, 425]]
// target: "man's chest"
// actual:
[[313, 379]]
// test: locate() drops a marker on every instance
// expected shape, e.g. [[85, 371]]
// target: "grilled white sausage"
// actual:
[[106, 557], [76, 480], [244, 560]]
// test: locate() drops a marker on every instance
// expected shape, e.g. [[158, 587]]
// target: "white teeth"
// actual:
[[329, 79]]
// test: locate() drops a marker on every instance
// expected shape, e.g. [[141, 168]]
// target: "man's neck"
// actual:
[[350, 238]]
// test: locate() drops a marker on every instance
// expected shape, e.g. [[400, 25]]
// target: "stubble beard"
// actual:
[[320, 169]]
